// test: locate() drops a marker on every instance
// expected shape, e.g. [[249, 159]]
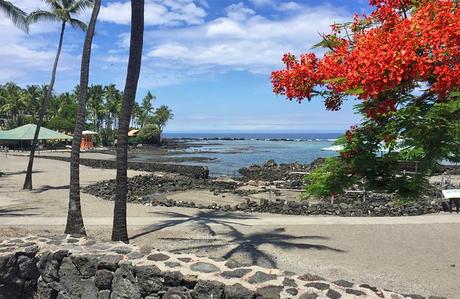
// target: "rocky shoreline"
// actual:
[[269, 178], [70, 267], [290, 175]]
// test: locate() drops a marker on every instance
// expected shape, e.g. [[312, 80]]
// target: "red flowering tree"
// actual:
[[402, 62]]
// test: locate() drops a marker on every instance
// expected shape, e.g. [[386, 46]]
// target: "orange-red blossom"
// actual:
[[401, 44]]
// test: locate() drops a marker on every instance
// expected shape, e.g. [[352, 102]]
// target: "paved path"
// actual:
[[255, 220]]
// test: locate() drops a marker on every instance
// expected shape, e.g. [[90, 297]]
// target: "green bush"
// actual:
[[149, 134], [409, 188], [61, 124], [330, 178]]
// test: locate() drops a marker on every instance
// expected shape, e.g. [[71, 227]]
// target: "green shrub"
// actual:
[[409, 188], [149, 134], [330, 178]]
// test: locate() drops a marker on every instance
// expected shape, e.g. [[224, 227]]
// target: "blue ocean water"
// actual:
[[233, 151]]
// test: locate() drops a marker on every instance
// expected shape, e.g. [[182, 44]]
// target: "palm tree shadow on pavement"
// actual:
[[45, 188], [202, 220], [15, 212], [247, 245], [20, 172]]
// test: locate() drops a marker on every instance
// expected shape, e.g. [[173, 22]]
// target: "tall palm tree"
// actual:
[[75, 223], [14, 102], [96, 106], [146, 108], [16, 15], [57, 103], [135, 115], [161, 117], [34, 94], [119, 231], [113, 100], [60, 11]]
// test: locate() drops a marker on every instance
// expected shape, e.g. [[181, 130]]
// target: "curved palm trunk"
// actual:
[[75, 225], [119, 232], [28, 180]]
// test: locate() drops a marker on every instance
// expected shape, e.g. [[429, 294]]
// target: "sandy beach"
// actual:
[[407, 254]]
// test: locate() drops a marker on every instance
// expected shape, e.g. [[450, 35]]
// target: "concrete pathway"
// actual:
[[253, 220]]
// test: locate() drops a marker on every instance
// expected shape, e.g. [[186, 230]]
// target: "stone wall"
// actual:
[[151, 190], [199, 172], [67, 267]]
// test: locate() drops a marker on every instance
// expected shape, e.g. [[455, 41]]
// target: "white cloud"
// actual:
[[286, 6], [27, 58], [157, 12], [278, 5], [242, 40], [225, 27], [29, 5], [239, 12]]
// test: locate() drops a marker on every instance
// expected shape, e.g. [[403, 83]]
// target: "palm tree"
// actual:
[[34, 94], [60, 11], [96, 106], [119, 231], [146, 108], [16, 15], [75, 223], [161, 117], [57, 103], [136, 115], [14, 102], [113, 100]]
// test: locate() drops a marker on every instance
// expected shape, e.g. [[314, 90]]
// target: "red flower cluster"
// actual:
[[399, 4], [350, 133], [381, 108], [298, 79], [392, 50]]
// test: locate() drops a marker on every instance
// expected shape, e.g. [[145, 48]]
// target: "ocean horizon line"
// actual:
[[255, 132]]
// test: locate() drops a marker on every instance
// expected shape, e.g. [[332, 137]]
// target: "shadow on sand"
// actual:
[[20, 172], [48, 187], [241, 244], [16, 212]]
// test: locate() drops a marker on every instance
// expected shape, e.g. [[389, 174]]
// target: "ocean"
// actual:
[[232, 151]]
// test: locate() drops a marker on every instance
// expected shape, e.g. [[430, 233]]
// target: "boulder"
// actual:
[[208, 289], [124, 283]]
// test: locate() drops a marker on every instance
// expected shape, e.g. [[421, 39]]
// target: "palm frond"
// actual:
[[15, 14], [54, 4], [78, 24], [42, 15], [63, 14], [80, 5]]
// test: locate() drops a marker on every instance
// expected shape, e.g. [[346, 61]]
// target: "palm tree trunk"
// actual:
[[28, 180], [119, 232], [75, 225]]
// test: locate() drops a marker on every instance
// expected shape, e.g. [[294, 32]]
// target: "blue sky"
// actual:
[[208, 60]]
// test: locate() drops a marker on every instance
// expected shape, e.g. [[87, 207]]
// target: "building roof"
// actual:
[[133, 133], [88, 133], [27, 132]]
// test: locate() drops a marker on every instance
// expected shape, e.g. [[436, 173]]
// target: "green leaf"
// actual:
[[455, 94], [335, 80], [327, 42], [355, 91]]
